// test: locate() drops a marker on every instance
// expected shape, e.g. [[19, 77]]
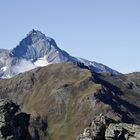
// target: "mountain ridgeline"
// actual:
[[64, 98], [37, 50], [59, 95]]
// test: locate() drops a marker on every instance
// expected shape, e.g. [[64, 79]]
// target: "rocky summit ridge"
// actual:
[[37, 50]]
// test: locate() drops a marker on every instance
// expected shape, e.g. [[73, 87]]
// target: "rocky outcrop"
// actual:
[[104, 128], [13, 124], [96, 129], [123, 131]]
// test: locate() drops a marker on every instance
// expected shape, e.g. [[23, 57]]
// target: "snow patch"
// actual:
[[4, 68], [41, 62]]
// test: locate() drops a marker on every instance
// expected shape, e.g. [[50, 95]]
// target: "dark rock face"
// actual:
[[13, 126]]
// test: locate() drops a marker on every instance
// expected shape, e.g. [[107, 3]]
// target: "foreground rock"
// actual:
[[103, 128], [123, 131], [13, 124]]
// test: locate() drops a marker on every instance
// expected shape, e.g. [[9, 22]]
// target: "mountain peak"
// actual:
[[33, 31], [35, 34], [35, 45], [40, 50]]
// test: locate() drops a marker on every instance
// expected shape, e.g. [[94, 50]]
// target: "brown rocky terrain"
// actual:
[[64, 98]]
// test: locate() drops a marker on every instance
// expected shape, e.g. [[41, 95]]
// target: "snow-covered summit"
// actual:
[[37, 50], [36, 45]]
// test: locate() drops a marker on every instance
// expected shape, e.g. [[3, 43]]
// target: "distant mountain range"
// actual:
[[37, 50]]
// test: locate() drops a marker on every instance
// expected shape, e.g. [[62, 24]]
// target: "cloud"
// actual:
[[23, 66]]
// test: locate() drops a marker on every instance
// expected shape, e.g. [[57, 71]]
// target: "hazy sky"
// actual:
[[106, 31]]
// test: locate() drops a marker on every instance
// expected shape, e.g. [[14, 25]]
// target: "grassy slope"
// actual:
[[64, 94]]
